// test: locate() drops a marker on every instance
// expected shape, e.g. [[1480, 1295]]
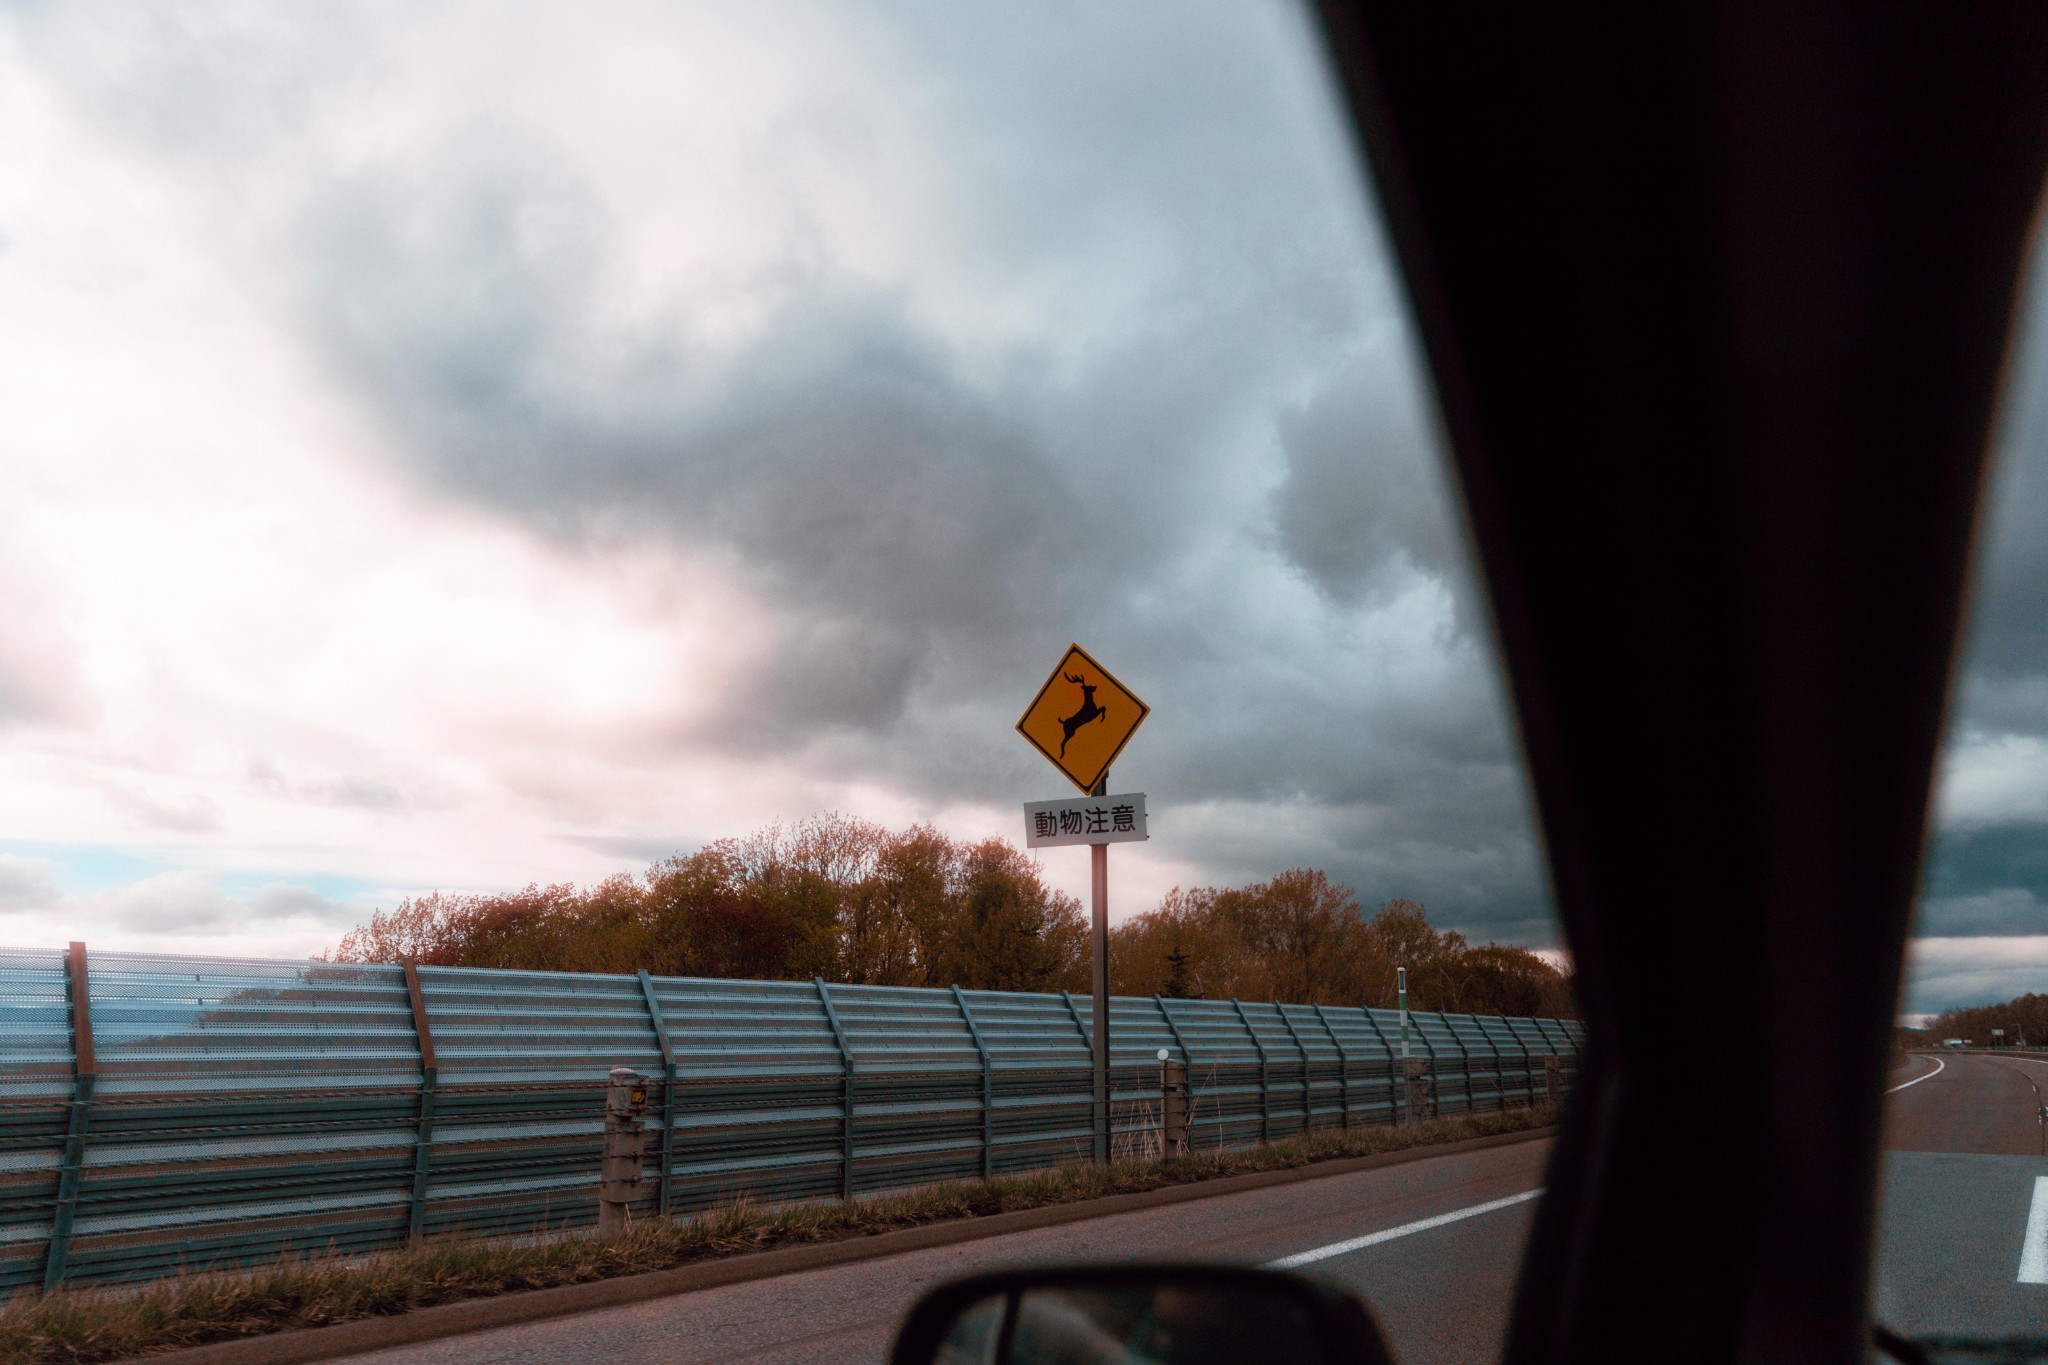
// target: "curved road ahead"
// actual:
[[1966, 1102], [1963, 1154], [1960, 1205]]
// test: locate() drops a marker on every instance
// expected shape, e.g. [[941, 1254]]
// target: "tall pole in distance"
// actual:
[[1401, 985], [1098, 860]]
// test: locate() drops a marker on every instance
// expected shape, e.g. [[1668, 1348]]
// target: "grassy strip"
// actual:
[[79, 1325]]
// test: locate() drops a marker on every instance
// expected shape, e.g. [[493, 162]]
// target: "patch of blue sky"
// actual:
[[83, 869], [90, 867]]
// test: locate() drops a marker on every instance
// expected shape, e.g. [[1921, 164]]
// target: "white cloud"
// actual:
[[1994, 779], [28, 884], [284, 901], [180, 911], [169, 902], [1953, 973]]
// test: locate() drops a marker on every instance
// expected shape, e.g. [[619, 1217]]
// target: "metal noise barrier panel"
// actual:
[[160, 1114]]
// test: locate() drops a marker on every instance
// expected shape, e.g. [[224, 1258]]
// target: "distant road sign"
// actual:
[[1082, 718], [1085, 820]]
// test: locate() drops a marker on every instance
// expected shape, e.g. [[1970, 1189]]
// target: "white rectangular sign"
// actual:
[[1085, 820]]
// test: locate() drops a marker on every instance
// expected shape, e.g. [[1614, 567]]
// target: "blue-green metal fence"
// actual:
[[164, 1113]]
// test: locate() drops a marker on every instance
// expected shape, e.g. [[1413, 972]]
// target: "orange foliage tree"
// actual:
[[1301, 939]]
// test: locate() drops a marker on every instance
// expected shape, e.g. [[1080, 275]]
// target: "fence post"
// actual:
[[988, 1087], [845, 1088], [1174, 1029], [625, 1155], [1308, 1105], [430, 1083], [668, 1087], [1528, 1077], [84, 1072], [1553, 1078], [1265, 1090], [1098, 1120], [1175, 1108], [1393, 1079], [1500, 1063], [1420, 1105], [1431, 1076], [1343, 1067]]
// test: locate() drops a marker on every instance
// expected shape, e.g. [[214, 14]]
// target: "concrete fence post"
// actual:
[[1553, 1077], [625, 1101], [1174, 1105], [1420, 1105]]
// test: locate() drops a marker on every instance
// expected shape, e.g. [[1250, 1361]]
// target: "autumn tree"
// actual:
[[1295, 939], [847, 900], [1300, 938], [897, 925], [1012, 932], [834, 896]]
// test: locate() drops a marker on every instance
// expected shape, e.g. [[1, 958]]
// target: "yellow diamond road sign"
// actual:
[[1082, 718]]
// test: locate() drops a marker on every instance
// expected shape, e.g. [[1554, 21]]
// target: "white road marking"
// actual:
[[1373, 1239], [1939, 1067], [2034, 1255]]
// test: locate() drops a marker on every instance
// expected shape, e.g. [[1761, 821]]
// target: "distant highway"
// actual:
[[1433, 1245]]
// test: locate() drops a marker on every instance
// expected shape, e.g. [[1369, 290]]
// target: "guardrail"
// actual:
[[166, 1113]]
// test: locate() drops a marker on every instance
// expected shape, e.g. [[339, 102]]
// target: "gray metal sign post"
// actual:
[[1097, 820], [1098, 957]]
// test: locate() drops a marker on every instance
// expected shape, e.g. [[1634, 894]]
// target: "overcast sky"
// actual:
[[457, 446]]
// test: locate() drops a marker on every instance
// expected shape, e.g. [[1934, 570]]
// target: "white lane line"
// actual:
[[1373, 1239], [2034, 1255], [1939, 1067]]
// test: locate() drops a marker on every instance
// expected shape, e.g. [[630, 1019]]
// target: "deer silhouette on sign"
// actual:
[[1089, 711]]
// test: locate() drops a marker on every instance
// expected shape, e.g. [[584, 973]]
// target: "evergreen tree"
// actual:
[[1177, 986]]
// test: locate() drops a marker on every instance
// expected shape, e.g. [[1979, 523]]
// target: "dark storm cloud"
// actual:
[[1987, 873], [1364, 501], [1968, 864], [892, 508], [2006, 661], [932, 524]]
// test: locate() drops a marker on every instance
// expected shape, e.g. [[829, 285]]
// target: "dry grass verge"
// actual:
[[82, 1325]]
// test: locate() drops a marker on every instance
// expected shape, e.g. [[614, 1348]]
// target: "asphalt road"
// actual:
[[1441, 1293], [1964, 1150], [1963, 1153]]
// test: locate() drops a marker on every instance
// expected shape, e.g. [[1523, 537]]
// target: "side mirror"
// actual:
[[1139, 1315]]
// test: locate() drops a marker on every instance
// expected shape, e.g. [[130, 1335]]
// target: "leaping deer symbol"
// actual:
[[1089, 711]]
